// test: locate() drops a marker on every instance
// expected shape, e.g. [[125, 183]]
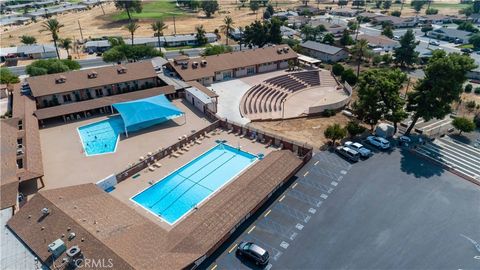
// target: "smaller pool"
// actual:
[[101, 137]]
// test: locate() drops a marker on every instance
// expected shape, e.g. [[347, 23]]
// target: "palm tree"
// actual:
[[132, 27], [227, 27], [158, 28], [200, 35], [66, 43], [52, 26], [359, 51]]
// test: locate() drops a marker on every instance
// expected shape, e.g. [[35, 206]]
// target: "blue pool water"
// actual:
[[101, 137], [182, 190]]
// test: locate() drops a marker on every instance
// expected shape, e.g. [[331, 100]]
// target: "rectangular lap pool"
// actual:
[[176, 194]]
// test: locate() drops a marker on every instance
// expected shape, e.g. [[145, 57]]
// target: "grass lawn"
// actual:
[[465, 46], [433, 5], [153, 10]]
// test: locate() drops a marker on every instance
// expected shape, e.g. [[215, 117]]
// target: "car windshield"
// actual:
[[260, 251]]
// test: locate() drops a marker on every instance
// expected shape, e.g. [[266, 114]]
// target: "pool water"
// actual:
[[101, 137], [176, 194]]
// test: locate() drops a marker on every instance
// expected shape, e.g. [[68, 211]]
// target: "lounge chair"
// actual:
[[175, 155], [198, 141], [141, 158], [157, 164], [151, 168], [207, 135]]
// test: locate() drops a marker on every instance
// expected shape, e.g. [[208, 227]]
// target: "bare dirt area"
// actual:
[[309, 130], [95, 24]]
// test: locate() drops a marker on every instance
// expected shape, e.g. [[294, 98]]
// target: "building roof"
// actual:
[[202, 88], [369, 15], [378, 40], [393, 19], [8, 159], [27, 49], [23, 108], [320, 47], [97, 43], [107, 228], [78, 79], [435, 17], [453, 33], [345, 10], [95, 103], [232, 60]]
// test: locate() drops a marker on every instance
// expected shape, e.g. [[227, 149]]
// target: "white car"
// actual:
[[364, 152], [405, 139], [434, 43], [379, 142]]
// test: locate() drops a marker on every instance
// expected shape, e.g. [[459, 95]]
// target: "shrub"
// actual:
[[337, 69], [477, 90], [470, 105], [468, 88], [354, 128], [349, 76], [477, 120], [328, 113], [396, 13]]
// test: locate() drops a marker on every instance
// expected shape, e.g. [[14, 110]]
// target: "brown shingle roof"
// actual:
[[8, 153], [378, 40], [23, 108], [111, 229], [75, 80], [228, 61], [202, 88], [81, 106]]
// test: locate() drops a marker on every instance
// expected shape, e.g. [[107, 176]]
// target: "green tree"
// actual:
[[270, 9], [66, 43], [387, 4], [227, 27], [7, 77], [406, 54], [359, 52], [157, 28], [468, 88], [51, 66], [396, 13], [335, 132], [254, 6], [243, 2], [200, 35], [52, 26], [442, 84], [467, 26], [348, 76], [378, 4], [387, 31], [131, 28], [463, 125], [328, 39], [337, 69], [426, 28], [113, 56], [475, 41], [431, 11], [417, 5], [28, 40], [379, 96], [216, 49], [354, 128], [129, 6], [209, 7], [346, 39]]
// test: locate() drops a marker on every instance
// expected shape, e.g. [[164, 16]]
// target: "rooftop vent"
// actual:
[[195, 64], [60, 79], [286, 49], [184, 65], [121, 70], [203, 63], [92, 75], [279, 50], [45, 211]]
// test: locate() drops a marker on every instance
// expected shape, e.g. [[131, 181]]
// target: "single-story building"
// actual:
[[451, 35], [335, 29], [285, 14], [435, 19], [324, 52], [396, 22], [288, 32], [34, 51], [297, 21], [201, 97], [97, 45], [13, 20], [380, 42], [345, 12]]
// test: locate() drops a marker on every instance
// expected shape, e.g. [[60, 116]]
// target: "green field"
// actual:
[[153, 10], [433, 5]]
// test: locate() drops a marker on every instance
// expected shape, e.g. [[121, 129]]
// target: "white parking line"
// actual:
[[333, 183], [284, 244], [324, 196], [312, 210], [299, 226]]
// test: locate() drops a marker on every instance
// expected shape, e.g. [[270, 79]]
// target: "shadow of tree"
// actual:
[[417, 166]]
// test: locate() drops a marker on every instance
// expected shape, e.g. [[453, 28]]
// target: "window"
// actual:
[[99, 92], [20, 141], [67, 98], [20, 163], [20, 124], [250, 70]]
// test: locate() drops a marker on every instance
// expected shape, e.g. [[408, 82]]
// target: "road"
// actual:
[[391, 211], [84, 63]]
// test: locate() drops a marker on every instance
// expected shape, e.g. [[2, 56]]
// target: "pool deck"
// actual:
[[66, 164], [130, 187]]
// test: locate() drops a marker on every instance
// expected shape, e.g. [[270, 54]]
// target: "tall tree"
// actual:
[[66, 43], [254, 6], [328, 38], [200, 35], [346, 39], [417, 5], [360, 51], [406, 54], [387, 31], [227, 27], [463, 125], [443, 83], [28, 40], [129, 6], [157, 28], [209, 7], [7, 77], [335, 132], [132, 27], [53, 26]]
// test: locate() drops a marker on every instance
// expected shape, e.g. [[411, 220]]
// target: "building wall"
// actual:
[[195, 101], [326, 57], [267, 67]]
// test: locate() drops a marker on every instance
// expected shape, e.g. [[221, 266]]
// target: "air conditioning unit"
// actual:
[[74, 254], [57, 247], [45, 211]]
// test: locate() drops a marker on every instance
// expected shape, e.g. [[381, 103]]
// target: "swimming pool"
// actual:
[[101, 137], [181, 191]]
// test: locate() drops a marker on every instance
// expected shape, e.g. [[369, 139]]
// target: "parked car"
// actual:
[[379, 142], [396, 37], [348, 153], [364, 152], [253, 252], [466, 50], [434, 43], [405, 139]]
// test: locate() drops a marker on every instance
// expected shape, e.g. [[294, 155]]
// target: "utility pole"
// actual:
[[174, 26], [80, 28]]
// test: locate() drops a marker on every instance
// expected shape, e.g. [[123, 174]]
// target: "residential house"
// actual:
[[324, 52], [345, 12], [285, 14], [34, 51], [396, 22], [297, 21], [214, 68], [435, 19], [451, 35], [380, 43], [335, 29]]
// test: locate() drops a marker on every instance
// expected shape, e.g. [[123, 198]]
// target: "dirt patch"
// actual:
[[309, 130]]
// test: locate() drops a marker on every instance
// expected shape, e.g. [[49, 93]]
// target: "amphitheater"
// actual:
[[294, 95]]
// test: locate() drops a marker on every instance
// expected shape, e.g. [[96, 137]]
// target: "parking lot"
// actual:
[[391, 211]]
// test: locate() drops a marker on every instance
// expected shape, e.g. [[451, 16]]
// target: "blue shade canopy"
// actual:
[[146, 112]]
